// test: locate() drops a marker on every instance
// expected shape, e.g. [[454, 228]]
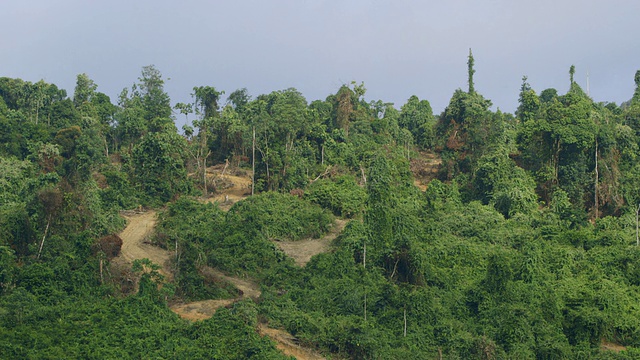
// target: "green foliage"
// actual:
[[158, 166], [467, 130], [136, 327], [280, 216], [7, 258], [525, 247], [508, 187], [14, 179], [119, 193], [342, 196], [417, 117]]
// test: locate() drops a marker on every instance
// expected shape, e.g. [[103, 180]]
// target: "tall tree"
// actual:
[[636, 94], [239, 99], [344, 108], [144, 108], [471, 71], [528, 102], [158, 166], [206, 104], [84, 91], [417, 117], [155, 100]]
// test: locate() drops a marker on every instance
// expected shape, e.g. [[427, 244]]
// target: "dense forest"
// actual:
[[472, 234]]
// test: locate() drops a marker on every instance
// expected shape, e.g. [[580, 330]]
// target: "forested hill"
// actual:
[[520, 242]]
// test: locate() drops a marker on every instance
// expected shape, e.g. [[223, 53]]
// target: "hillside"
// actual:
[[373, 232]]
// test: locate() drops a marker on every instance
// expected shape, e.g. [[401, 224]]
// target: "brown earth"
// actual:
[[609, 346], [249, 288], [232, 185], [200, 310], [425, 168], [287, 343], [303, 250], [135, 244]]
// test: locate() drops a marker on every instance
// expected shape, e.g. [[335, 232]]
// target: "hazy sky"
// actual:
[[397, 48]]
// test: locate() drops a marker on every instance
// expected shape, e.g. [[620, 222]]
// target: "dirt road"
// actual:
[[200, 310], [139, 228]]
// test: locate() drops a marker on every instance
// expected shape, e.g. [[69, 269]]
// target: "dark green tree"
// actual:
[[471, 71], [417, 117], [155, 100], [158, 166], [84, 91], [528, 102]]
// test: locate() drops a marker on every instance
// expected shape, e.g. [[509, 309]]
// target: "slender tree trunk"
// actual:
[[395, 267], [265, 157], [43, 237], [204, 175], [204, 159], [364, 263], [101, 275], [595, 186], [405, 322], [365, 305], [638, 225], [557, 161], [226, 164]]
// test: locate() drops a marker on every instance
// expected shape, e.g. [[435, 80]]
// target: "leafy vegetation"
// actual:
[[523, 245]]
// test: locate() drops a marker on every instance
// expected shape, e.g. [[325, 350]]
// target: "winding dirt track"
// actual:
[[140, 227], [201, 310]]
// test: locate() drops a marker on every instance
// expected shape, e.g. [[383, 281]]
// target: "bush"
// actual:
[[342, 196], [279, 216]]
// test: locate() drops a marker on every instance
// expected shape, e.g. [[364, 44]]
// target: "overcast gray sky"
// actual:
[[397, 48]]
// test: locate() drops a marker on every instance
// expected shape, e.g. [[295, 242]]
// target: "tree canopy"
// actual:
[[469, 234]]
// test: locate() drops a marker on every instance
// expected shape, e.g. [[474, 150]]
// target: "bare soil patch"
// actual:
[[609, 346], [200, 310], [288, 344], [232, 185], [303, 250], [425, 168], [249, 288], [135, 243]]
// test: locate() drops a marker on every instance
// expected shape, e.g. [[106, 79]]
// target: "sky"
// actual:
[[396, 48]]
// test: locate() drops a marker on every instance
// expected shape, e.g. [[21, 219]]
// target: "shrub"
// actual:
[[342, 196], [279, 216]]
